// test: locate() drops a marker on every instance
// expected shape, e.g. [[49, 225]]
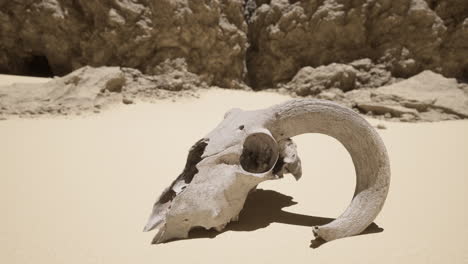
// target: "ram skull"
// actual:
[[249, 147]]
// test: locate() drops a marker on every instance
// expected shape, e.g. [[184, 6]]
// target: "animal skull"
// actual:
[[249, 147]]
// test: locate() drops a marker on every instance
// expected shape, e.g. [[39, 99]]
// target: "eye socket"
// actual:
[[259, 154]]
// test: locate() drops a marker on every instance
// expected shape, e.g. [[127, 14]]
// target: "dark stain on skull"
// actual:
[[167, 195], [193, 158]]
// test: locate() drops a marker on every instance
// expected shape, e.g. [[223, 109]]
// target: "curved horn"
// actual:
[[362, 142]]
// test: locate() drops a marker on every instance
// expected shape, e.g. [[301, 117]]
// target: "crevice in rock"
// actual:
[[38, 66], [432, 4], [250, 7]]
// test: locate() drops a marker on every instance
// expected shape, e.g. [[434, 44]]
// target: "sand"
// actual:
[[80, 189], [6, 79]]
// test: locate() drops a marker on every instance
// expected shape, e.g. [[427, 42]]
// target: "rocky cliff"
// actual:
[[233, 42], [68, 34]]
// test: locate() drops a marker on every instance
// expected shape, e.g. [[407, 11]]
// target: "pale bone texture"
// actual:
[[249, 147]]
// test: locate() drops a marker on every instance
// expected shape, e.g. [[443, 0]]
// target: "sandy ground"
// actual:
[[80, 189], [11, 79]]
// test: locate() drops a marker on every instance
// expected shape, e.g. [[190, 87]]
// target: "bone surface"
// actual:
[[249, 147]]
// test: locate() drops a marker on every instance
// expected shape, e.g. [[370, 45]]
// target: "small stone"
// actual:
[[381, 126], [49, 109], [327, 96], [407, 118], [115, 84], [2, 118], [127, 101], [283, 90], [388, 115]]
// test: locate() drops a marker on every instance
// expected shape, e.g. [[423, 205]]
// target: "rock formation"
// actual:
[[328, 49], [259, 42], [92, 89], [425, 97], [407, 36], [372, 90], [68, 34], [344, 77]]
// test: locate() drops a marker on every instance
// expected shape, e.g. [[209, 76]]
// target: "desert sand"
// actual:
[[6, 79], [79, 189]]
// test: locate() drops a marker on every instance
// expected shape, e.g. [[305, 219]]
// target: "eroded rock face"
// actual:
[[407, 36], [91, 89], [325, 49], [372, 90], [339, 78], [427, 96], [312, 81], [66, 35]]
